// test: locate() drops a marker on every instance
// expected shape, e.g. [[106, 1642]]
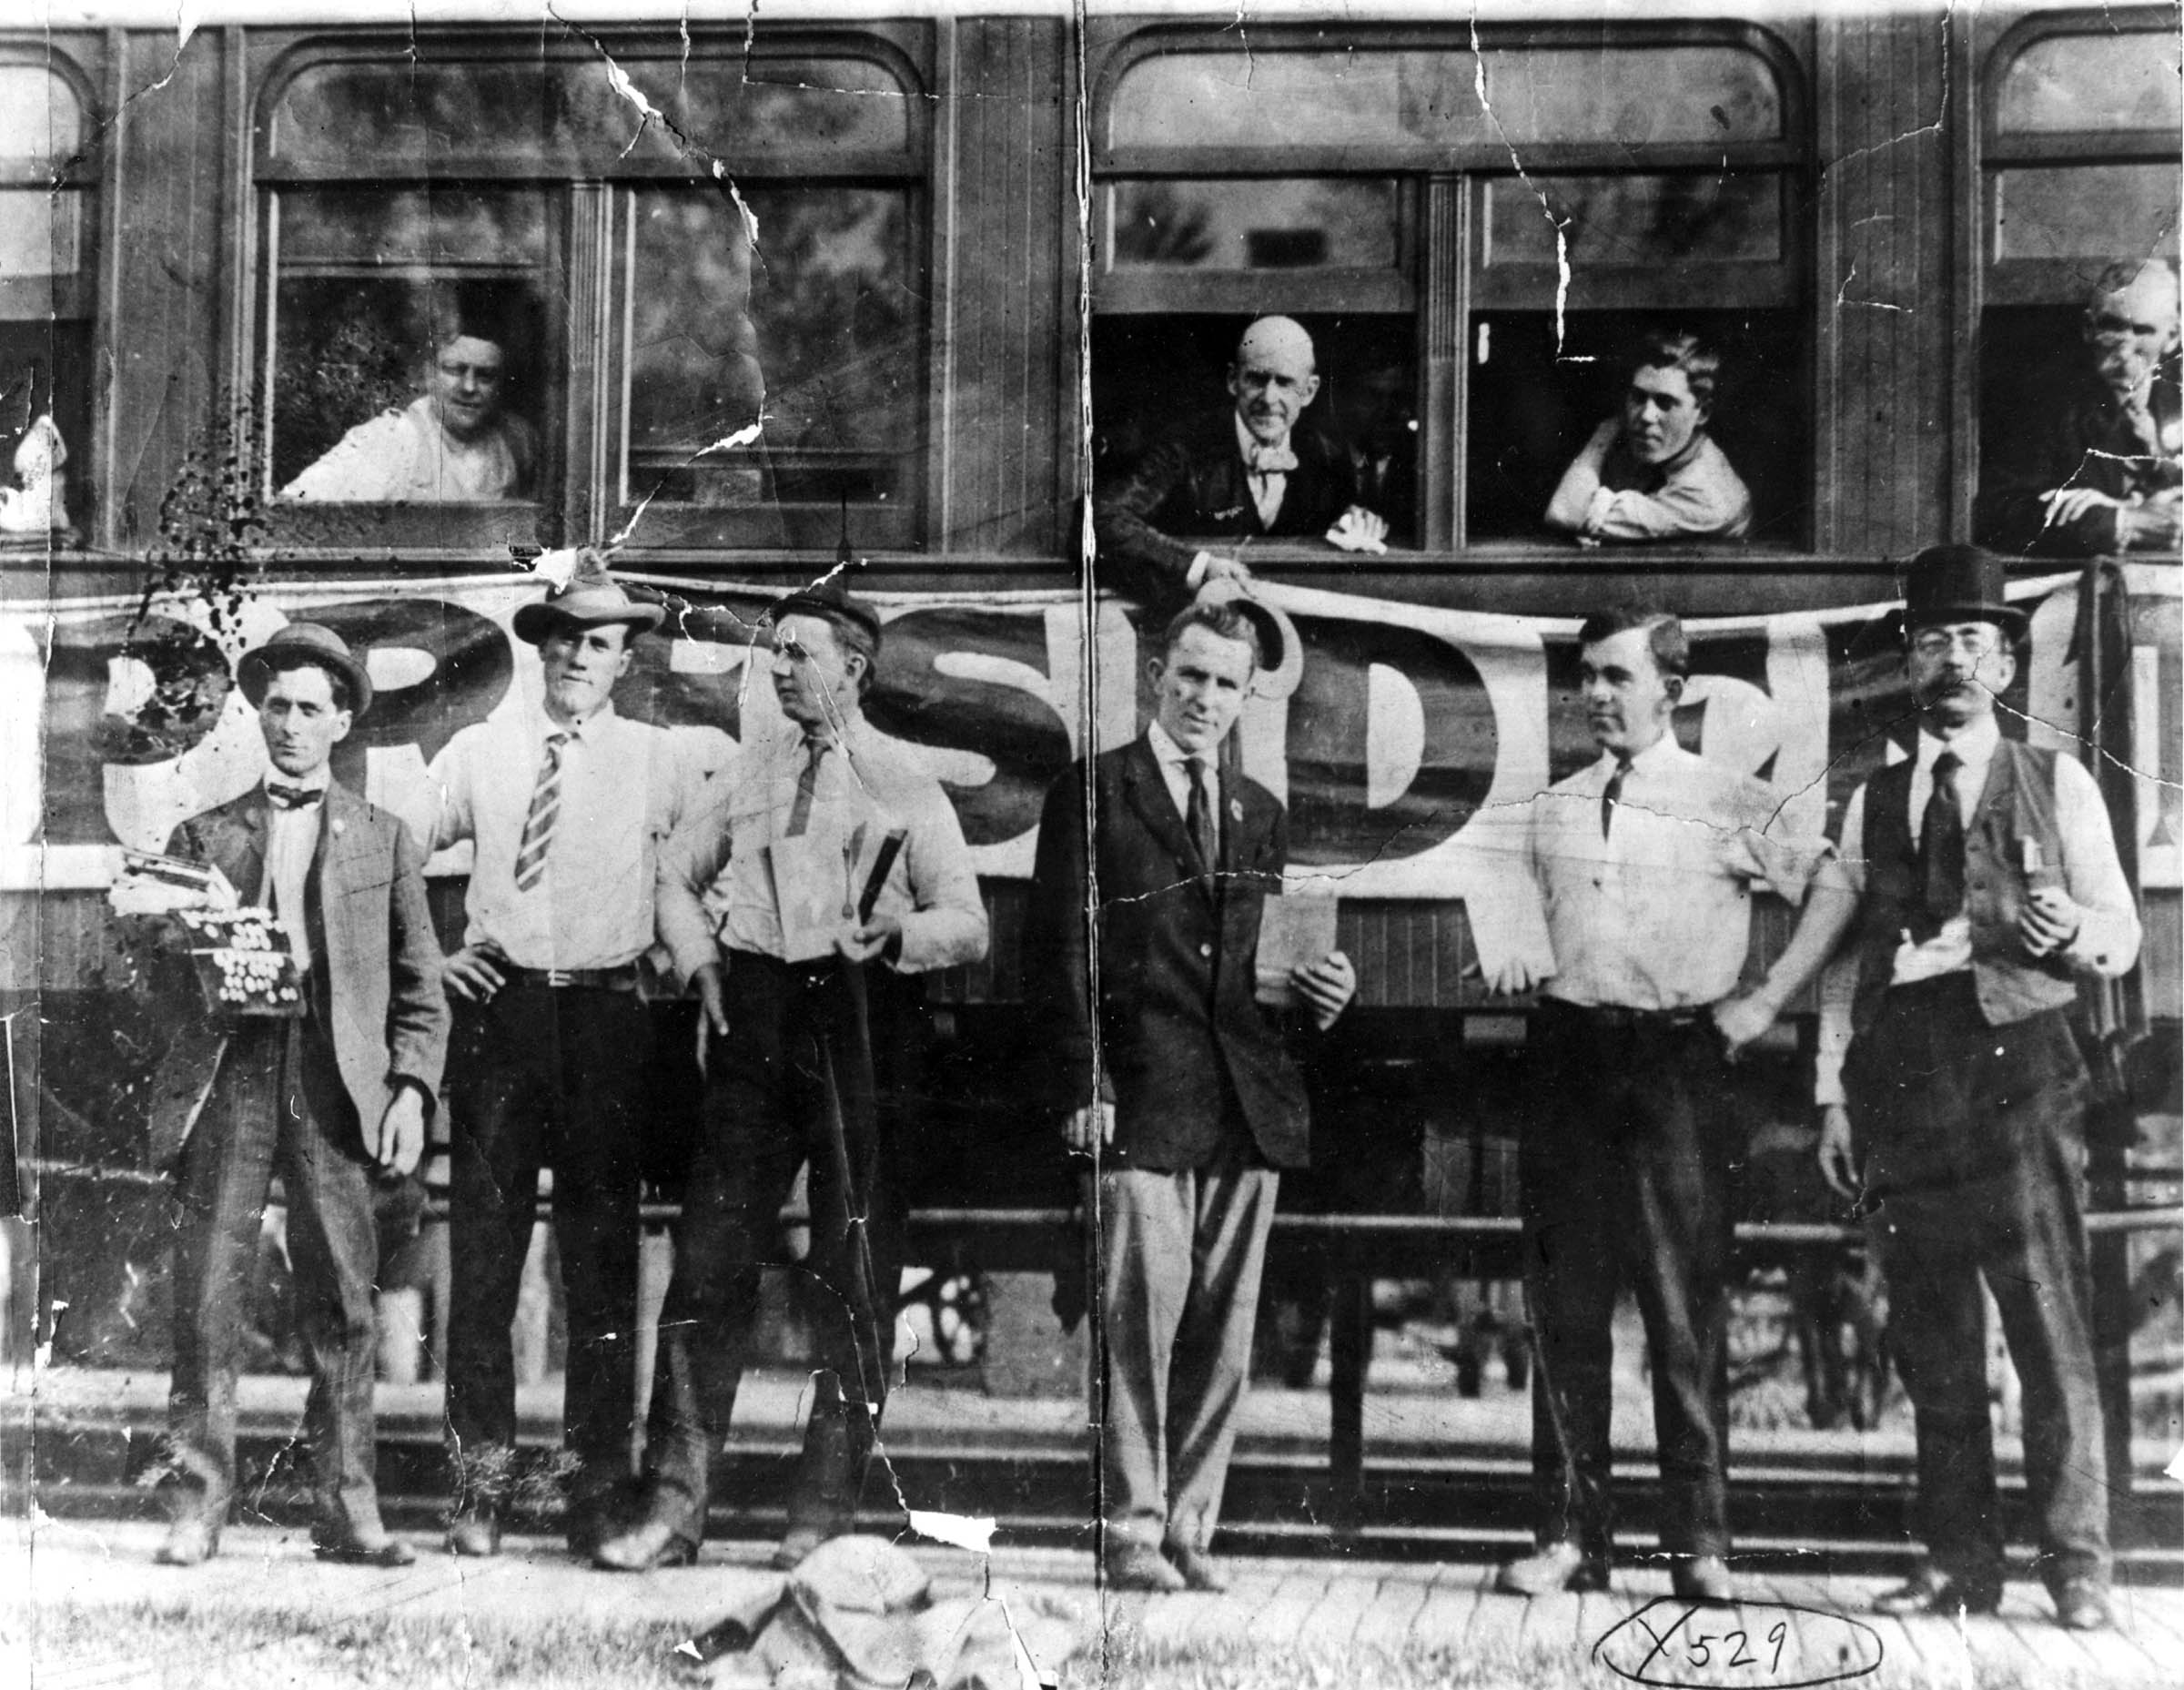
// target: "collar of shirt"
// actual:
[[318, 780], [1259, 458], [1974, 749], [1176, 771], [544, 727], [1653, 762]]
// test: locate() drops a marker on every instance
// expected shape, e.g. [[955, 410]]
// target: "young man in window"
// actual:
[[452, 444], [1653, 472], [2103, 472]]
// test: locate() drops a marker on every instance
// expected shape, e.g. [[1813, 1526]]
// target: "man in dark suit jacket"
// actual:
[[1245, 472], [2100, 470], [1178, 1084], [333, 1099]]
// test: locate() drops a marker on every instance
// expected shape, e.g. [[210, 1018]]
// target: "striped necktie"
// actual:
[[537, 827], [1198, 815]]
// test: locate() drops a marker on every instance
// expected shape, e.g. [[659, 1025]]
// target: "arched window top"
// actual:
[[2127, 80], [41, 121], [1344, 98], [544, 112]]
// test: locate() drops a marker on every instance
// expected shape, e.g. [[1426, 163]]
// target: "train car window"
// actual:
[[2081, 195], [675, 299], [575, 115], [1307, 223], [46, 277], [823, 334], [1356, 98], [1369, 192], [2079, 82]]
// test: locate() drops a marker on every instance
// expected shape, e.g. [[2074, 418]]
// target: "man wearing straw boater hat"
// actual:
[[566, 803], [332, 1100], [1987, 885], [838, 877]]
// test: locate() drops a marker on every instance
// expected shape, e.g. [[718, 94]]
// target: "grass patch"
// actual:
[[136, 1644], [67, 1643]]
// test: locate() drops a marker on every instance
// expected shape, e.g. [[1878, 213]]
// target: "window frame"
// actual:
[[587, 281], [1440, 195], [80, 174], [1982, 48], [2044, 281]]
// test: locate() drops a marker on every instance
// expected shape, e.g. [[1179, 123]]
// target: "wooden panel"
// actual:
[[1008, 346], [1883, 297], [168, 291]]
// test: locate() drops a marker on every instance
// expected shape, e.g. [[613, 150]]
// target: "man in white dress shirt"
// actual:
[[566, 806], [808, 810], [1645, 860]]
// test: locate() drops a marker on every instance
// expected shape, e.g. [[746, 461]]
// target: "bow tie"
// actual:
[[1268, 460], [293, 797]]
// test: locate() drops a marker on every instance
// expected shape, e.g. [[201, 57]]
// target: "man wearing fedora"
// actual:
[[804, 1041], [333, 1100], [566, 804], [1987, 886]]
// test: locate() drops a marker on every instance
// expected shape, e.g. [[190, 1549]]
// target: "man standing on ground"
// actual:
[[566, 806], [1178, 1083], [1986, 884], [1646, 862], [333, 1100], [790, 1044]]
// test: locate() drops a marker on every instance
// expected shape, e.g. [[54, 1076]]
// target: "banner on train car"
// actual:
[[1403, 738]]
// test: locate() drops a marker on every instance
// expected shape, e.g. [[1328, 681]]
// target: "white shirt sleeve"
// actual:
[[2108, 942]]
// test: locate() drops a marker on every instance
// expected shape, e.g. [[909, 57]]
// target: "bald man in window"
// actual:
[[1245, 472]]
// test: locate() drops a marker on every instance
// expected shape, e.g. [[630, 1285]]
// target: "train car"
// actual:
[[908, 283]]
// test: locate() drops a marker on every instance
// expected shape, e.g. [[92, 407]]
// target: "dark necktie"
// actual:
[[1941, 848], [1198, 815], [1611, 795], [293, 797], [537, 825], [807, 789]]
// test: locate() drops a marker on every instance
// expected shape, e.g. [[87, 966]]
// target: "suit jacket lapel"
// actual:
[[242, 856]]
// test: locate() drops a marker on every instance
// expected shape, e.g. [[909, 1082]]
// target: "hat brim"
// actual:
[[255, 673], [813, 605], [2007, 617], [533, 622]]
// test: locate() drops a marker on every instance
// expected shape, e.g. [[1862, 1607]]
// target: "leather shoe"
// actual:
[[1552, 1567], [1703, 1578], [652, 1542], [1137, 1567], [367, 1552], [1928, 1592], [475, 1532], [1200, 1571], [2082, 1605], [190, 1541]]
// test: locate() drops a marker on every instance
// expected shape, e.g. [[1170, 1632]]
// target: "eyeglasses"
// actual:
[[1975, 642]]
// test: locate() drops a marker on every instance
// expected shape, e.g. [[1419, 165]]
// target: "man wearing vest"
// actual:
[[1987, 884]]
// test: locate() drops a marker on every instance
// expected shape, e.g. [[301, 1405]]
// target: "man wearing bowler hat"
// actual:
[[566, 804], [805, 903], [1987, 886], [333, 1099]]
